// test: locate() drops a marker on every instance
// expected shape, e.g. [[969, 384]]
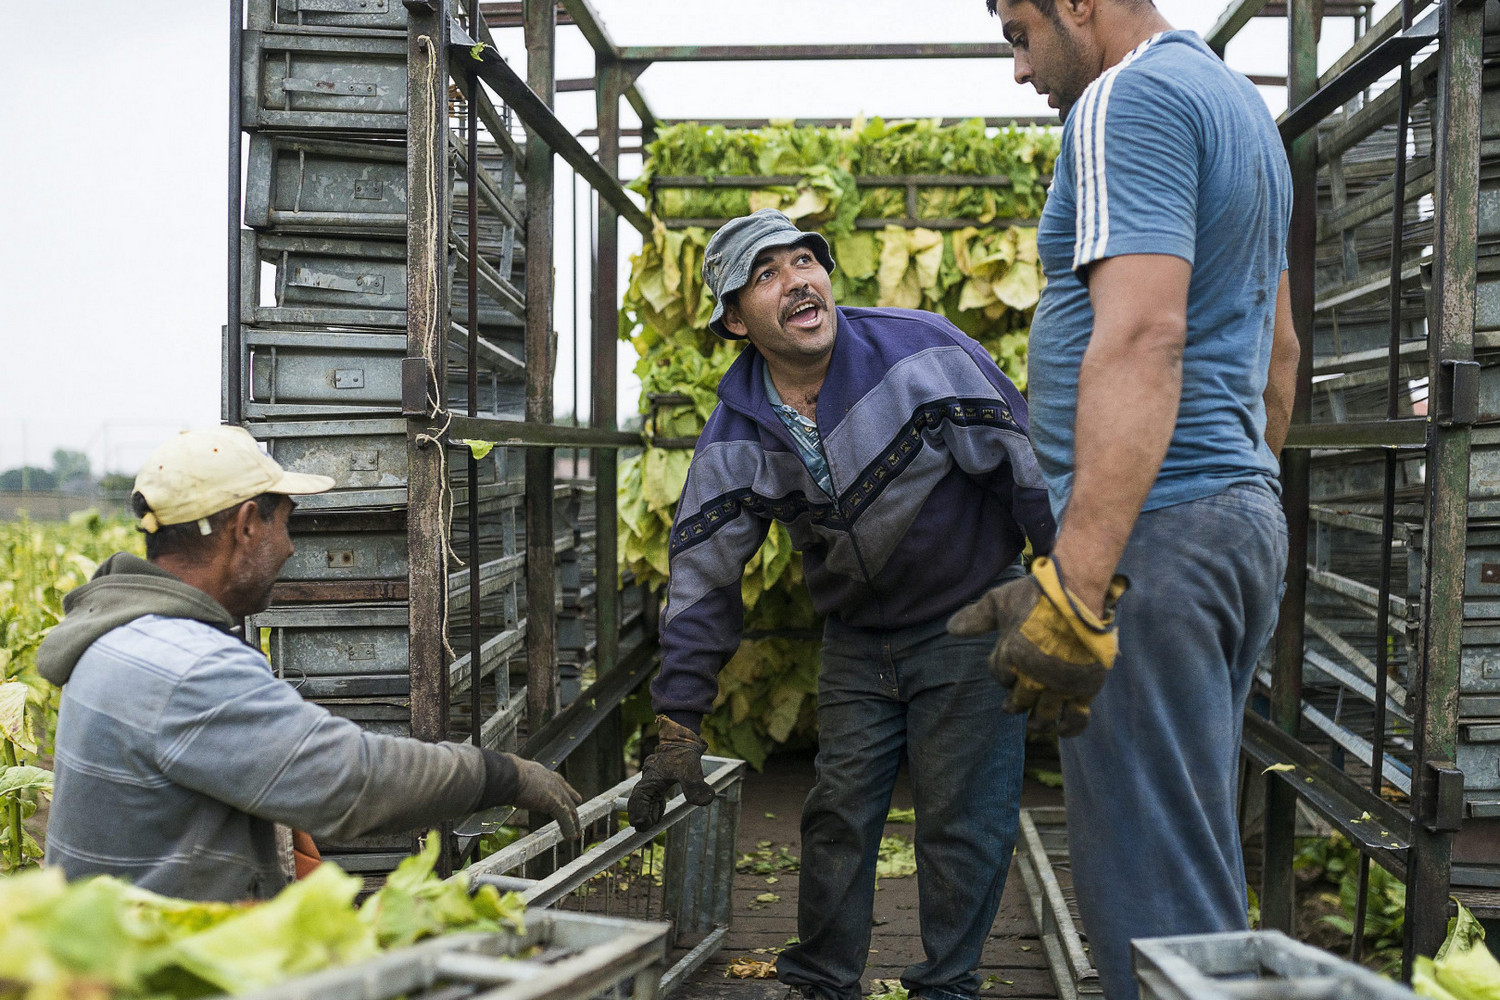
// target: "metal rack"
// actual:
[[390, 298], [681, 870], [1371, 692]]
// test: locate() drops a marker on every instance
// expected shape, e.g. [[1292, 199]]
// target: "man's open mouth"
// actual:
[[805, 314]]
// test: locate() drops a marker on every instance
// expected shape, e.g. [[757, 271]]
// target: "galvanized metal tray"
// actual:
[[568, 956], [1244, 964]]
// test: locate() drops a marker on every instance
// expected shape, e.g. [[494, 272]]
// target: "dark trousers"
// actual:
[[1151, 784], [927, 693]]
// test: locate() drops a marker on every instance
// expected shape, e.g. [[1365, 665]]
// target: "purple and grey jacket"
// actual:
[[936, 492]]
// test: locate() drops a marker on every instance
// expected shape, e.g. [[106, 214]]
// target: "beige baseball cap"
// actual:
[[201, 472]]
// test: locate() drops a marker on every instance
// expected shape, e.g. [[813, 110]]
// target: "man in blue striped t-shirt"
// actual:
[[1162, 369]]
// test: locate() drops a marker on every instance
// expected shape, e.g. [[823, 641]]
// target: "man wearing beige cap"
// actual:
[[178, 751]]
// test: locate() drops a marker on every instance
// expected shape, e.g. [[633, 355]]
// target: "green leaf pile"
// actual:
[[1463, 969], [897, 858], [102, 937], [985, 277]]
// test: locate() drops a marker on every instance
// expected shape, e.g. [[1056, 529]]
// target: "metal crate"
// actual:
[[322, 281], [1244, 964], [309, 373], [1042, 857], [578, 957], [681, 870], [367, 459], [293, 15], [315, 82], [338, 651], [320, 186]]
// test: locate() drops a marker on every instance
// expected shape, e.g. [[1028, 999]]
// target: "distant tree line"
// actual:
[[71, 473]]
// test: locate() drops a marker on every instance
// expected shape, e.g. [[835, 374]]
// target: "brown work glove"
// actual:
[[678, 760], [1052, 653], [537, 790]]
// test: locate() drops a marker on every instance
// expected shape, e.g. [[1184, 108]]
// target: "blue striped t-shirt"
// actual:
[[1168, 152]]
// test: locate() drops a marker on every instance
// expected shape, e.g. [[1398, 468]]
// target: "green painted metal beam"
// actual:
[[1408, 432], [819, 53], [1235, 17], [538, 116], [526, 434]]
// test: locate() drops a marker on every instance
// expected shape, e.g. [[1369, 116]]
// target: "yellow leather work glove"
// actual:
[[1053, 653]]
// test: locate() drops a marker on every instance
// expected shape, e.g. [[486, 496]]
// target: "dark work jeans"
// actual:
[[1151, 783], [928, 693]]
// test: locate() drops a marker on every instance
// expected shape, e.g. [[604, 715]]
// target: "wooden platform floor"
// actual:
[[1012, 966]]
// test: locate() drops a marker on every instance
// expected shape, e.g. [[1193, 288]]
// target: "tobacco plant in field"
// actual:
[[986, 278], [39, 563]]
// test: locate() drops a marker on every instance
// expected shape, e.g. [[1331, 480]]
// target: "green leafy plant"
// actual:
[[986, 278], [1335, 861], [39, 564], [1463, 968], [21, 785], [102, 937]]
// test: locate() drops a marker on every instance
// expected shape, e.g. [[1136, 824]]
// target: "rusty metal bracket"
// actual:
[[1442, 796], [416, 385], [1456, 391]]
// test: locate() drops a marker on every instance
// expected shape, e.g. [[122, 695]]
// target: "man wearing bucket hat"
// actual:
[[178, 751], [894, 452]]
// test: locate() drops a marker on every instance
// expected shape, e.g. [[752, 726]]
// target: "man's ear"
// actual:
[[244, 524], [1080, 12], [733, 321]]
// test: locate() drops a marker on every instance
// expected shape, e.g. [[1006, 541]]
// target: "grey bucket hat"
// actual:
[[731, 251]]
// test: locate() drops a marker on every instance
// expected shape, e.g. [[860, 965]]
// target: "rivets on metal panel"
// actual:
[[348, 378], [340, 557]]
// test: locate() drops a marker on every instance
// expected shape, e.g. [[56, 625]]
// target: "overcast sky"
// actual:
[[113, 176]]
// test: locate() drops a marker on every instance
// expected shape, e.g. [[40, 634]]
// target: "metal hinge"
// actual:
[[1442, 796], [1456, 393]]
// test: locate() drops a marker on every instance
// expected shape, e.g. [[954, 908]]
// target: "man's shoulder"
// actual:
[[170, 646], [902, 331], [1170, 70]]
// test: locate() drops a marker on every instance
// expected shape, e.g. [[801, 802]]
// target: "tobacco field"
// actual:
[[985, 277], [39, 563]]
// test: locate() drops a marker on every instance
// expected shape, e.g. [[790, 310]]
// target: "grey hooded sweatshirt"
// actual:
[[178, 749]]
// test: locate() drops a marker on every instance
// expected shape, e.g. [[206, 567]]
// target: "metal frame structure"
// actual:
[[386, 225], [1363, 694], [681, 870], [424, 95]]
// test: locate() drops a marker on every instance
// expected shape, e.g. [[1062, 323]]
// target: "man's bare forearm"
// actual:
[[1281, 379]]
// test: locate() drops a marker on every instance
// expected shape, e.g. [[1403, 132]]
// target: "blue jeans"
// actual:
[[1150, 785], [927, 693]]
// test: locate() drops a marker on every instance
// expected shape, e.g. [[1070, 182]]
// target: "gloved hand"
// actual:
[[1053, 653], [537, 790], [678, 760]]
